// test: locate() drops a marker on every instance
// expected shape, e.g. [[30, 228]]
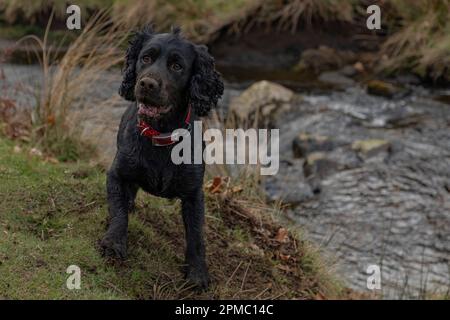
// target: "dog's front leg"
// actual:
[[114, 243], [193, 217]]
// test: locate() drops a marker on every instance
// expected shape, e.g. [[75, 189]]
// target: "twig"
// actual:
[[261, 293], [232, 275], [245, 276], [82, 207]]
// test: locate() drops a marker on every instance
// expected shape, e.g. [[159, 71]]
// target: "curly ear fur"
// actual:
[[126, 89], [206, 85]]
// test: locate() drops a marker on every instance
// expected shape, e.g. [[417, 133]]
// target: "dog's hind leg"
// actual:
[[114, 243], [193, 218]]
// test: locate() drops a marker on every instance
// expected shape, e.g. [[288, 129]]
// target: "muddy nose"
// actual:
[[149, 84]]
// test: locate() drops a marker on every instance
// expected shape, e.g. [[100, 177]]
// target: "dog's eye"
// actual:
[[146, 59], [176, 67]]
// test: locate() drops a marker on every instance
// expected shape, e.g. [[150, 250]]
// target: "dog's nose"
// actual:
[[149, 84]]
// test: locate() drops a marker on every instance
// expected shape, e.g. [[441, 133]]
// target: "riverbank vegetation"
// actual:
[[415, 33], [420, 40], [66, 79]]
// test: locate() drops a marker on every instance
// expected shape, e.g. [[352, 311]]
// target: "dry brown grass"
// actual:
[[289, 15], [94, 51], [199, 19], [36, 10], [421, 43], [248, 174]]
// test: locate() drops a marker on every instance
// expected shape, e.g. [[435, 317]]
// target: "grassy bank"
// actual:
[[53, 214]]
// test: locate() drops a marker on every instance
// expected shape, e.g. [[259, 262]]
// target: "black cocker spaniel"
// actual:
[[166, 77]]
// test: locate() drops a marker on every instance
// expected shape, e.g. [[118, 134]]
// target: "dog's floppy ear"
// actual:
[[126, 89], [206, 85]]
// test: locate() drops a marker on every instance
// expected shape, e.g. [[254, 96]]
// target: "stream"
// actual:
[[389, 206]]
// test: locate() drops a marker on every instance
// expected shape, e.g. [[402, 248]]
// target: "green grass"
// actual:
[[52, 216]]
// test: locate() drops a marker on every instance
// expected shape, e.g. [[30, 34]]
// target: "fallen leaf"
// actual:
[[216, 185], [282, 235], [237, 189], [51, 119], [284, 257], [52, 160], [36, 152]]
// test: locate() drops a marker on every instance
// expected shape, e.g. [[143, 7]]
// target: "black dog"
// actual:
[[166, 76]]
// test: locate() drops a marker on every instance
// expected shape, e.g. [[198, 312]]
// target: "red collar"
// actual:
[[163, 139]]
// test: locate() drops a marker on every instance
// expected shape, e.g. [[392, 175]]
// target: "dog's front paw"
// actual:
[[198, 276], [115, 248]]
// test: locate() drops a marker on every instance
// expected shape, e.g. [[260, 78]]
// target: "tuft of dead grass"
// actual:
[[36, 11], [65, 81], [421, 41], [199, 19], [288, 16], [248, 174]]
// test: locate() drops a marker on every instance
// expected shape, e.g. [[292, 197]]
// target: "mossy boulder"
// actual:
[[305, 144]]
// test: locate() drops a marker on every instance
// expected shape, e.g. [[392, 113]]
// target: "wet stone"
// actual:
[[371, 147], [290, 185], [336, 79], [305, 143]]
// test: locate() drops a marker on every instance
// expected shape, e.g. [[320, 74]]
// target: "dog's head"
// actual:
[[164, 73]]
